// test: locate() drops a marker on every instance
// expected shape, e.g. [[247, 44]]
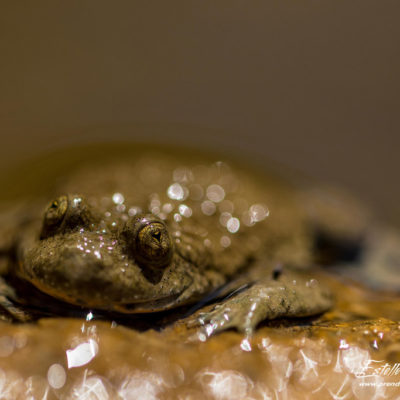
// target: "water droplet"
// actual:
[[208, 207], [155, 210], [207, 242], [215, 193], [245, 345], [167, 208], [182, 175], [312, 283], [258, 212], [177, 217], [77, 201], [185, 211], [134, 210], [121, 208], [177, 192], [118, 198], [233, 225], [225, 241], [224, 218]]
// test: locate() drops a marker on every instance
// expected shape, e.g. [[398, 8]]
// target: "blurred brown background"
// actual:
[[313, 85]]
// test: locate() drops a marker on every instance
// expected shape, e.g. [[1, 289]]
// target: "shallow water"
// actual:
[[351, 352]]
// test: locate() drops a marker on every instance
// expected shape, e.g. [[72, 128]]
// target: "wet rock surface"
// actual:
[[351, 352]]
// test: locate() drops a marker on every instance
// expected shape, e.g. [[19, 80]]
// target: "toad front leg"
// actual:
[[11, 222], [266, 300], [8, 310]]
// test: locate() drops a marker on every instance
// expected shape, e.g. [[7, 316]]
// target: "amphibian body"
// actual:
[[155, 233]]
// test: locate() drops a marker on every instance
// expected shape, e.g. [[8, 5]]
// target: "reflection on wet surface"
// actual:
[[348, 353]]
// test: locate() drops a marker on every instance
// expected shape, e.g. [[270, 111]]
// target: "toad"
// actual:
[[155, 232]]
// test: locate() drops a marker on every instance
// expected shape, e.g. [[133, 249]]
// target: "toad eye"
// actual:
[[152, 243], [54, 215], [67, 213]]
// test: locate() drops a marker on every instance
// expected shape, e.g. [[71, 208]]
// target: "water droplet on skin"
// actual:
[[258, 212], [208, 207], [97, 254], [233, 225], [155, 202], [155, 210], [167, 208], [177, 217], [120, 208], [118, 198], [182, 175], [246, 219], [225, 241], [224, 218], [312, 283], [202, 337], [210, 328], [215, 193], [133, 211], [185, 211], [245, 345], [177, 192], [77, 201], [207, 242]]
